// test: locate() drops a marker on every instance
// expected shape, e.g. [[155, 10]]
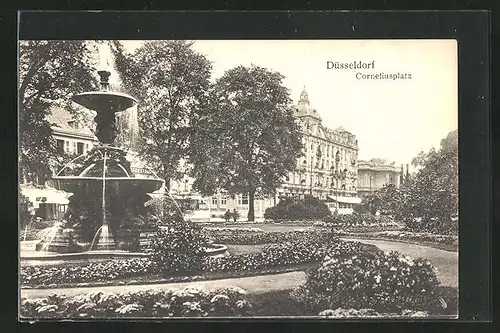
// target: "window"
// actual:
[[86, 147], [79, 148], [73, 124], [66, 149], [214, 201], [186, 185], [223, 201], [244, 199], [60, 146], [74, 147]]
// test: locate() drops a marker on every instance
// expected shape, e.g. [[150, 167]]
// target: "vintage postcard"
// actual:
[[238, 179]]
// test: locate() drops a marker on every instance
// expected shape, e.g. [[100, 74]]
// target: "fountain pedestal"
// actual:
[[104, 240]]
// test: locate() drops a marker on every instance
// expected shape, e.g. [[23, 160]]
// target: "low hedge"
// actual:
[[298, 209], [150, 303]]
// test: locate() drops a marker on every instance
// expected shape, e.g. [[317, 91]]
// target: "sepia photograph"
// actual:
[[305, 178]]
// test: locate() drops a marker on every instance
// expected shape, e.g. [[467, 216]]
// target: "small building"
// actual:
[[374, 174]]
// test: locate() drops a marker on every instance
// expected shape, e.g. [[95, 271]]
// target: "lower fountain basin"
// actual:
[[30, 256]]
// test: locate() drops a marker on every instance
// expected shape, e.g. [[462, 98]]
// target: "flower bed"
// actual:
[[227, 229], [369, 313], [408, 236], [281, 303], [253, 238], [151, 303], [272, 256], [90, 272], [385, 282]]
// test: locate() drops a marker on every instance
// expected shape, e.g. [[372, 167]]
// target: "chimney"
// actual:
[[407, 170]]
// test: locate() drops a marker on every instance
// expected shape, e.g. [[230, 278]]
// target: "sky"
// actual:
[[392, 119]]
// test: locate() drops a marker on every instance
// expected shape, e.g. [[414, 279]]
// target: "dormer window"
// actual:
[[73, 124]]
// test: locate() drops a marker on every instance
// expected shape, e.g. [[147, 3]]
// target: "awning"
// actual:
[[47, 195], [350, 200]]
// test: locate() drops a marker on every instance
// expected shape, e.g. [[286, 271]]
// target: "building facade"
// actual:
[[72, 135], [374, 174], [328, 170], [212, 208]]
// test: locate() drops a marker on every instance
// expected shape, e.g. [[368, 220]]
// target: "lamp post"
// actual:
[[332, 173], [311, 189], [337, 160]]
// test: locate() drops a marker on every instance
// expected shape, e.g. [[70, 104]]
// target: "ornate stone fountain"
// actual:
[[107, 197]]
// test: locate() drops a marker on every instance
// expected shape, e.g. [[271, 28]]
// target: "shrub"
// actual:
[[188, 302], [385, 282], [298, 209], [178, 247]]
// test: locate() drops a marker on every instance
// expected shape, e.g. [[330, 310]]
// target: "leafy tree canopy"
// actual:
[[247, 140], [171, 81], [49, 73], [429, 201]]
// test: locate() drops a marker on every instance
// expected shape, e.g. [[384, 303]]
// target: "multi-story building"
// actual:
[[374, 174], [72, 136], [213, 208], [328, 169]]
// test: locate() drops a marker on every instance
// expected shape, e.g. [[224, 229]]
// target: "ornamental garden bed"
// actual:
[[442, 242], [160, 279], [281, 303], [288, 256], [236, 236], [227, 302], [343, 279]]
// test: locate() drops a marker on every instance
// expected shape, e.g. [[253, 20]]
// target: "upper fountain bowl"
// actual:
[[105, 100]]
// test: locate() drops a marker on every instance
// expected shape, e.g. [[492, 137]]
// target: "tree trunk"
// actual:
[[251, 204], [167, 184]]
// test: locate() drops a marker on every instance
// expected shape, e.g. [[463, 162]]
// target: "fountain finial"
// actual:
[[104, 75]]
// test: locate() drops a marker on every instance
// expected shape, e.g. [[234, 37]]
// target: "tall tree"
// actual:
[[429, 201], [171, 81], [49, 73], [247, 141]]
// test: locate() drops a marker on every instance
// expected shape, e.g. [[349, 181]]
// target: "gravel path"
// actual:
[[253, 284]]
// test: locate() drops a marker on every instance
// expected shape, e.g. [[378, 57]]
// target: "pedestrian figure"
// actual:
[[227, 215], [235, 215]]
